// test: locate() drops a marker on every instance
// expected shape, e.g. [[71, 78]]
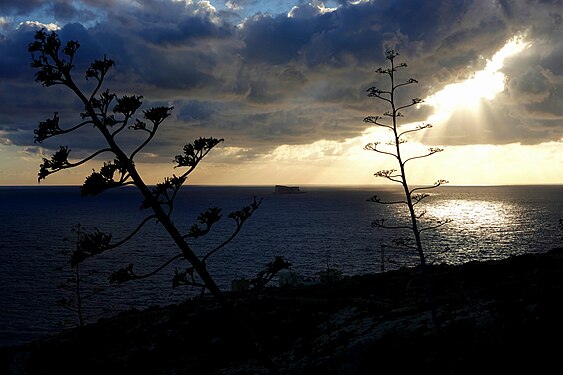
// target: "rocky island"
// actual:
[[282, 189]]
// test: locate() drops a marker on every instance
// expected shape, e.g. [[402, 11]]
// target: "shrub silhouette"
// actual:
[[272, 269], [54, 64], [74, 285]]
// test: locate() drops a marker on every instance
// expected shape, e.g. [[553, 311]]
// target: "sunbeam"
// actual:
[[483, 85]]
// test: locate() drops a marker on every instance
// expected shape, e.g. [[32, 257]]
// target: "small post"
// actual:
[[382, 260]]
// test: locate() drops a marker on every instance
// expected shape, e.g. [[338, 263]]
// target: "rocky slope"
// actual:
[[493, 316]]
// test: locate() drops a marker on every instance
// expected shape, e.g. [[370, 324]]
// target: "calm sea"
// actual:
[[324, 226]]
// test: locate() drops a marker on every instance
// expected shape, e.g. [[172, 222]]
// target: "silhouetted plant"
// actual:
[[111, 115], [74, 284], [330, 273], [412, 196], [271, 270]]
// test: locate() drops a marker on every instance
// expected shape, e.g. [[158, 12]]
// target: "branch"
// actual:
[[403, 242], [418, 128], [388, 174], [409, 82], [126, 273], [374, 120], [208, 218], [420, 215], [436, 184], [88, 245], [388, 71], [133, 233], [120, 128], [161, 189], [431, 151], [239, 217], [394, 143], [45, 47], [156, 115], [194, 153], [50, 127], [223, 244], [391, 54], [380, 223], [98, 70], [418, 197], [374, 92], [439, 224], [103, 180], [415, 101], [395, 114], [181, 278], [376, 199], [59, 161], [373, 147], [175, 191], [71, 165]]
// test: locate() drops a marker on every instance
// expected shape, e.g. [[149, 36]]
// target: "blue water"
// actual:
[[324, 226]]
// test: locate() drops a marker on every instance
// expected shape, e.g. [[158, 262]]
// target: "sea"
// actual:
[[322, 227]]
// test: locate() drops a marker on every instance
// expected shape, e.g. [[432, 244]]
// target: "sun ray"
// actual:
[[482, 85]]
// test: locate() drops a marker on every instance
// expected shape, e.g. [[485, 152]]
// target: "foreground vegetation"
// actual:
[[495, 316], [114, 116]]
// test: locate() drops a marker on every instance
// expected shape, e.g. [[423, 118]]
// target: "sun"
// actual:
[[482, 85]]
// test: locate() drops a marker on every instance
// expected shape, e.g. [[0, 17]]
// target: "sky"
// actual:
[[284, 83]]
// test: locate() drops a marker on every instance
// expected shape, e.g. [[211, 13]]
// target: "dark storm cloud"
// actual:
[[26, 6], [276, 40], [299, 76], [67, 11], [19, 7], [59, 10], [15, 58], [195, 111], [186, 30], [360, 33]]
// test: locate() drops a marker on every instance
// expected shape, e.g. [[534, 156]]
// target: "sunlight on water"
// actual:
[[479, 230], [475, 213]]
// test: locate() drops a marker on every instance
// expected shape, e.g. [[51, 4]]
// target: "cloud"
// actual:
[[239, 4], [292, 78], [19, 7], [309, 10]]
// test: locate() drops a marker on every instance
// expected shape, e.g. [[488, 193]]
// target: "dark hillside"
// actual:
[[495, 316]]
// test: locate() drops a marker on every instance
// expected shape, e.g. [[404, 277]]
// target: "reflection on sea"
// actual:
[[486, 223], [479, 229]]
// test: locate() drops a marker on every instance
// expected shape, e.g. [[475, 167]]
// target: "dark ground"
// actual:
[[500, 316]]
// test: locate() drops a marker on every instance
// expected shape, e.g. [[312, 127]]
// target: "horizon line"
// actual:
[[303, 184]]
